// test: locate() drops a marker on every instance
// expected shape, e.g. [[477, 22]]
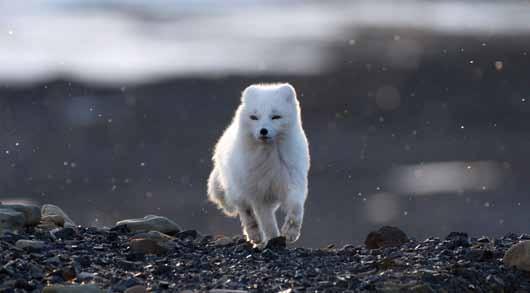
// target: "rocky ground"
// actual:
[[153, 254]]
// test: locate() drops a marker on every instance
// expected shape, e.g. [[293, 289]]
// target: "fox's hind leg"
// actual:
[[217, 194]]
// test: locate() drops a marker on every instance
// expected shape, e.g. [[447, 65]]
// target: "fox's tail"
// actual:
[[217, 195]]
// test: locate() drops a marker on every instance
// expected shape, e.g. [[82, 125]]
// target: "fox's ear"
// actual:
[[248, 92], [288, 92]]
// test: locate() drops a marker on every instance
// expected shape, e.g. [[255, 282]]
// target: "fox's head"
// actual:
[[268, 111]]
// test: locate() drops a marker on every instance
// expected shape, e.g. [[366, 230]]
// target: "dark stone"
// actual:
[[387, 236], [11, 237], [127, 264], [163, 284], [121, 229], [83, 260], [524, 236], [483, 239], [63, 233], [187, 234], [122, 285], [276, 243], [458, 239], [132, 256]]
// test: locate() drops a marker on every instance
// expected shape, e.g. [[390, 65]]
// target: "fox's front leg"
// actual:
[[249, 224], [294, 215]]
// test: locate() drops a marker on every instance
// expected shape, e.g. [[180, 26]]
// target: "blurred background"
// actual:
[[417, 112]]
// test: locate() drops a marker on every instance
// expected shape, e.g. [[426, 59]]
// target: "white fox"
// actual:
[[261, 162]]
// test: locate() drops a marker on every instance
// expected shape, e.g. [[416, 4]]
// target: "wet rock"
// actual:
[[151, 223], [30, 244], [53, 210], [31, 212], [11, 220], [518, 256], [387, 236], [72, 289]]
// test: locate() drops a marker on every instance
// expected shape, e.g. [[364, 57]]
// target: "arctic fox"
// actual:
[[261, 163]]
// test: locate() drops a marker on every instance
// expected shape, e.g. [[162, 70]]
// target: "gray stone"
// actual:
[[11, 220], [53, 210], [31, 212], [30, 244], [91, 288], [518, 256], [151, 223]]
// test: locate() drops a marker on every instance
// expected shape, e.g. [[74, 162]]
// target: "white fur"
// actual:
[[251, 177]]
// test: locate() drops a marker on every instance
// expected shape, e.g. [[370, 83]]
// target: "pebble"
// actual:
[[150, 223]]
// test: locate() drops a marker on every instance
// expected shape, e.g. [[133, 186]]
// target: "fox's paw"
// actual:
[[291, 230], [253, 235]]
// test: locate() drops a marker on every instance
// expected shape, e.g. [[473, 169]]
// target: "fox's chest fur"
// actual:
[[267, 176]]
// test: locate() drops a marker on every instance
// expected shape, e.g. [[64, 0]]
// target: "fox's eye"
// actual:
[[253, 117], [276, 117]]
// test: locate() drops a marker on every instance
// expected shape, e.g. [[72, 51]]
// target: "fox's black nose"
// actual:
[[263, 131]]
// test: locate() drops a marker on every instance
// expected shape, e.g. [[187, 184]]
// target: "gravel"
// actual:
[[104, 258]]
